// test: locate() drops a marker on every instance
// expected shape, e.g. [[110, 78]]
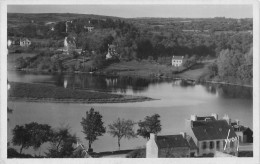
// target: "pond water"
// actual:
[[177, 100]]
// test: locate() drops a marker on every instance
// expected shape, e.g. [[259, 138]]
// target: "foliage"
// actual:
[[190, 62], [31, 135], [151, 124], [138, 153], [235, 66], [92, 126], [12, 153], [61, 144], [122, 128]]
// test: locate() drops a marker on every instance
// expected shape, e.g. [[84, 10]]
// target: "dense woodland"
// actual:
[[224, 39]]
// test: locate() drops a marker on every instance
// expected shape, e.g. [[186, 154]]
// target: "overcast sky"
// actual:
[[130, 11]]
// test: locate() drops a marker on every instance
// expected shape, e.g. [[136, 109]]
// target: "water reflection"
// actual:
[[124, 84], [230, 91]]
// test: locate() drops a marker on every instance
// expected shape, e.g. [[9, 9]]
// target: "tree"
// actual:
[[92, 126], [32, 134], [151, 124], [122, 128], [61, 144]]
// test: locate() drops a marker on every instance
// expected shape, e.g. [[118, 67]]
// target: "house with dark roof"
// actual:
[[211, 135], [89, 26], [244, 134], [177, 61], [24, 42], [170, 146]]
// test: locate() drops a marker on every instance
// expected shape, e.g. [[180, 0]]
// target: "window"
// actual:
[[211, 144], [218, 144], [204, 145]]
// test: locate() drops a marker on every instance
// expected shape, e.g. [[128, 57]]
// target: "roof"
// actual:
[[24, 39], [178, 57], [207, 117], [111, 46], [191, 143], [171, 141], [212, 130]]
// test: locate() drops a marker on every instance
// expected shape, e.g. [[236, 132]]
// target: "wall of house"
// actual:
[[174, 152], [231, 147], [176, 63], [240, 136]]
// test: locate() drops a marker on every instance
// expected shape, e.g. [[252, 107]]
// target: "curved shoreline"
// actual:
[[125, 99], [32, 92]]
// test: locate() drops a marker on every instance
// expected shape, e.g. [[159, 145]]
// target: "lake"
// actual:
[[177, 100]]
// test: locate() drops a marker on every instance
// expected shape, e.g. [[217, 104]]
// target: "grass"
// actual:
[[142, 68], [195, 72], [42, 92], [152, 69]]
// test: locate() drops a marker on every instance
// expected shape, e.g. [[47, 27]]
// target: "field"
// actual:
[[148, 69], [142, 69], [46, 93]]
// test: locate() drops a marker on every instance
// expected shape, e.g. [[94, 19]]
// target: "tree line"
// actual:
[[62, 142]]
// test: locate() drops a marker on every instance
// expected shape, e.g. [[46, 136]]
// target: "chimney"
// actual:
[[193, 117], [215, 116], [151, 147], [237, 121], [183, 134], [226, 117]]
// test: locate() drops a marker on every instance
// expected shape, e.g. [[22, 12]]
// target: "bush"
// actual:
[[139, 153], [12, 153]]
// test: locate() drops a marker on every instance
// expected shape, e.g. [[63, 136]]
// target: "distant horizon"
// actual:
[[140, 17], [140, 11]]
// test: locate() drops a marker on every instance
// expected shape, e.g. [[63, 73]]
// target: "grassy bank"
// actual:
[[46, 93], [147, 69]]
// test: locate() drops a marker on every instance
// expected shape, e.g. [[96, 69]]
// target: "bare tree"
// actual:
[[122, 128]]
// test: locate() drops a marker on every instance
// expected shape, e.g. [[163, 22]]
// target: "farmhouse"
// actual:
[[177, 61], [170, 146], [24, 42], [212, 135], [89, 27]]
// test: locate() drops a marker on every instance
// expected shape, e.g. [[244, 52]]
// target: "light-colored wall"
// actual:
[[214, 149], [151, 147], [176, 63]]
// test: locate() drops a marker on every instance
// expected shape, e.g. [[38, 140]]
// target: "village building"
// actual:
[[244, 134], [9, 43], [177, 61], [111, 52], [211, 135], [170, 146], [89, 27], [69, 44], [24, 42]]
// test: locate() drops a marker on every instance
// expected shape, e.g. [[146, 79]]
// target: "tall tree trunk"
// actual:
[[118, 142], [89, 145], [21, 149]]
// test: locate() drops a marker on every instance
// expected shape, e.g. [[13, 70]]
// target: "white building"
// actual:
[[24, 42], [177, 61]]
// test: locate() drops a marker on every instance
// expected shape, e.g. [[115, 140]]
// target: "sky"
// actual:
[[132, 11]]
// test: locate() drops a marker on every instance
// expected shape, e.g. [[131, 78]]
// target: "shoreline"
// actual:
[[179, 76], [33, 92], [125, 99]]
